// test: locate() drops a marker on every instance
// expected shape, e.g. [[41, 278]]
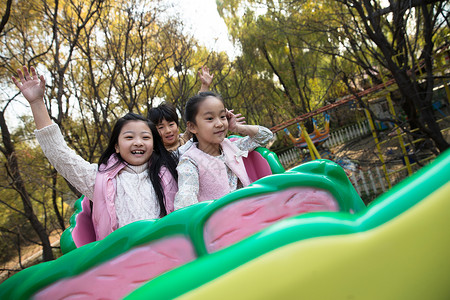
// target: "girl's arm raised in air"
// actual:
[[205, 78], [33, 88], [80, 173]]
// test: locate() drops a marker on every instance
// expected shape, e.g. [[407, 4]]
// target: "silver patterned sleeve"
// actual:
[[188, 183], [260, 139]]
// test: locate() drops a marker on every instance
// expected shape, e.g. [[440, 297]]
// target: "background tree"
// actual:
[[402, 52], [179, 71], [306, 44], [276, 45], [396, 41], [23, 32]]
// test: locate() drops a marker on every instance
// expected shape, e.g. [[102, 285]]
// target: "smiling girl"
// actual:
[[214, 166], [135, 178]]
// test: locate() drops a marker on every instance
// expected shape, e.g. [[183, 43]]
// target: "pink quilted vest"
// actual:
[[104, 217], [213, 178]]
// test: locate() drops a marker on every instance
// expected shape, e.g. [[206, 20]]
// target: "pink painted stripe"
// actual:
[[118, 277], [240, 219]]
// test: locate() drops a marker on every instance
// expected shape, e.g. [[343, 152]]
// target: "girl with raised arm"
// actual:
[[135, 178]]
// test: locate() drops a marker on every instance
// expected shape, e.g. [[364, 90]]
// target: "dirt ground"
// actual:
[[365, 151], [30, 256]]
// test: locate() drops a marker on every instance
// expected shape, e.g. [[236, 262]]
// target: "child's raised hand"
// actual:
[[32, 87], [234, 120], [205, 78]]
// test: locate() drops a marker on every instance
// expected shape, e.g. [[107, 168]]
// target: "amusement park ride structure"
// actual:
[[383, 89]]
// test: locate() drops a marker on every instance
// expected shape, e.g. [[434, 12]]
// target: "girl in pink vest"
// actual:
[[135, 177], [213, 166]]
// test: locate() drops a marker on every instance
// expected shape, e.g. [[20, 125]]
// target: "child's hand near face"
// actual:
[[234, 120]]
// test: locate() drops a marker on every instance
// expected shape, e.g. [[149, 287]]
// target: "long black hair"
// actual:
[[192, 105], [160, 156]]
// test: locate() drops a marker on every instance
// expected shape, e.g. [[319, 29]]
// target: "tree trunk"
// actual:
[[424, 119], [433, 129], [19, 186], [54, 200]]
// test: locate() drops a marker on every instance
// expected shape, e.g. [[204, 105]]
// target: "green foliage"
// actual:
[[279, 45]]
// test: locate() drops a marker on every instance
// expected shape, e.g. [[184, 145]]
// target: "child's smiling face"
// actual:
[[135, 143], [211, 125], [168, 132]]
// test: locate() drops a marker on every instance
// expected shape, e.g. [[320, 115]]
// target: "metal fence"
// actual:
[[290, 157], [348, 133], [368, 182], [337, 137]]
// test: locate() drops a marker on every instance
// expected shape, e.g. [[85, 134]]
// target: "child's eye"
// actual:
[[209, 119], [172, 124], [223, 117]]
